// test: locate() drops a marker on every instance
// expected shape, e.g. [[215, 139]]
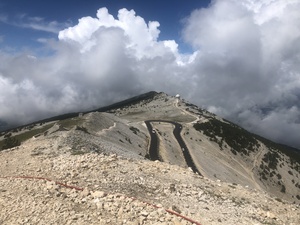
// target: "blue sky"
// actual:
[[19, 29], [235, 58]]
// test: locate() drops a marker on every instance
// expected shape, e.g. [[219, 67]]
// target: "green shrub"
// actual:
[[134, 130], [237, 138], [271, 158], [82, 129], [10, 142]]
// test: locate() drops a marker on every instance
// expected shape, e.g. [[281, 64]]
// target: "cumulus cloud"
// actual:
[[95, 63], [245, 66], [249, 59], [141, 37]]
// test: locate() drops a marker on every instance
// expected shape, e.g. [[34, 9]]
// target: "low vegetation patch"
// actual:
[[292, 153], [78, 152], [69, 123], [272, 159], [134, 129], [22, 137], [238, 139], [10, 142], [82, 129]]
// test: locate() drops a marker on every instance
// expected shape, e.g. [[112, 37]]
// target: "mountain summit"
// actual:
[[155, 148]]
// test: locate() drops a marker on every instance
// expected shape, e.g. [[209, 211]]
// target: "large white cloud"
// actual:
[[245, 66], [250, 53], [142, 37]]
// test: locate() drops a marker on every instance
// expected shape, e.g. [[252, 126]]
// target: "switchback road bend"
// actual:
[[154, 143], [153, 148]]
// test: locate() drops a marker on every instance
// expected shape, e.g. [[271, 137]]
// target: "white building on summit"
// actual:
[[177, 96]]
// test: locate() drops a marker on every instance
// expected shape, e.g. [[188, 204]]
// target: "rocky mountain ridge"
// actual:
[[106, 153]]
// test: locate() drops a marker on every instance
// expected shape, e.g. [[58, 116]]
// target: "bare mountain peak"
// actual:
[[198, 151]]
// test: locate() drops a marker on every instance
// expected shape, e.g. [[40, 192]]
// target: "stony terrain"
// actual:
[[104, 155], [118, 190]]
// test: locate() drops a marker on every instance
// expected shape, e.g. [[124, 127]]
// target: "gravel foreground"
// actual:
[[118, 190]]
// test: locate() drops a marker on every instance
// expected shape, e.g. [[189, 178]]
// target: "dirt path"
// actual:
[[255, 161]]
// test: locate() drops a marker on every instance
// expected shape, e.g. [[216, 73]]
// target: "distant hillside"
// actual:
[[219, 149], [127, 102]]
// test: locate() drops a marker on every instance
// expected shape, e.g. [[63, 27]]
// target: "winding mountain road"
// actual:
[[154, 143]]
